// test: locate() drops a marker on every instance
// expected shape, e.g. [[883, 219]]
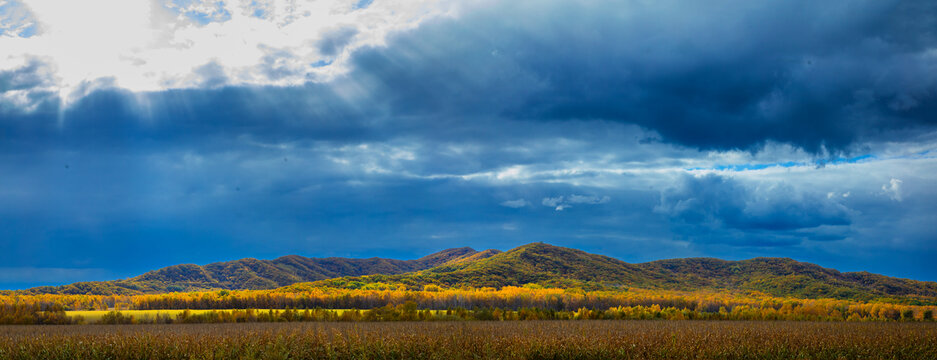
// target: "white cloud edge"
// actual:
[[144, 46]]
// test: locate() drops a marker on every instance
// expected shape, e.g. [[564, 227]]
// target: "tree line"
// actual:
[[507, 303]]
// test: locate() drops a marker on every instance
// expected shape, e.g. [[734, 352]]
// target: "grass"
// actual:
[[483, 339]]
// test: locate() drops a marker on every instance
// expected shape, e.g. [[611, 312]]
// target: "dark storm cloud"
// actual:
[[714, 202], [111, 118], [722, 75], [729, 74]]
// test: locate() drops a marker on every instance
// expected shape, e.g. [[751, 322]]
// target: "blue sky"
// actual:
[[171, 132]]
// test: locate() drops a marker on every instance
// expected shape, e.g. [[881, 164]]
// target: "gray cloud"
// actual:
[[333, 42], [560, 203], [588, 199], [838, 80], [716, 203], [26, 89], [210, 75], [730, 76], [893, 189], [33, 74]]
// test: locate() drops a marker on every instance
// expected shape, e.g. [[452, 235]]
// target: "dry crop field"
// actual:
[[482, 339]]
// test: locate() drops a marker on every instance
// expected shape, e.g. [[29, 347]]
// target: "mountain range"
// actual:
[[536, 263]]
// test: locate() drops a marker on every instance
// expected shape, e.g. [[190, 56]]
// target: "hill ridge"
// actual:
[[534, 263], [252, 273], [555, 266]]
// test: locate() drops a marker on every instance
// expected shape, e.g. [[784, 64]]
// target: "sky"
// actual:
[[137, 134]]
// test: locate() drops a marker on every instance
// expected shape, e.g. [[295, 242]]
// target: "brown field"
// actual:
[[462, 340]]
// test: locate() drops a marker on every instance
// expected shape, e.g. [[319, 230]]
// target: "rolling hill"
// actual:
[[554, 266], [536, 263], [257, 274]]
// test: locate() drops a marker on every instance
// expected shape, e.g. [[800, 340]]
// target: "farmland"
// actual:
[[485, 339], [95, 316]]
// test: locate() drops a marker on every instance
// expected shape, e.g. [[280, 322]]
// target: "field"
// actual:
[[94, 316], [112, 317], [481, 339]]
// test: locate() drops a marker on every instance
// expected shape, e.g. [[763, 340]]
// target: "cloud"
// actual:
[[33, 74], [210, 75], [588, 199], [561, 203], [554, 202], [201, 12], [155, 45], [334, 41], [856, 74], [739, 83], [16, 19], [893, 189], [519, 203], [27, 87], [714, 203]]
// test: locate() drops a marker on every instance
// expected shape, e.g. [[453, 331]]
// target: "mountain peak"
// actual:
[[540, 245]]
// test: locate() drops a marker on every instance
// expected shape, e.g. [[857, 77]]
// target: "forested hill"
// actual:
[[259, 274], [787, 277], [537, 263], [554, 266]]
